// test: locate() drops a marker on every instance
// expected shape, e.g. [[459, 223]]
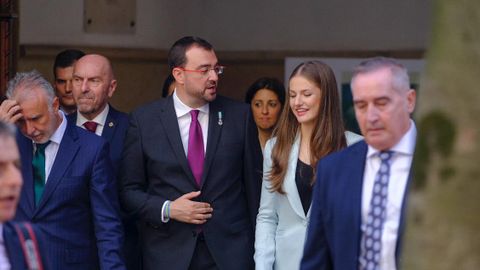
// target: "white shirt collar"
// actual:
[[58, 134], [406, 145], [99, 119], [182, 109]]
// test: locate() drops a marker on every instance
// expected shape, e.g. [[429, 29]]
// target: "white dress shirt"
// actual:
[[4, 261], [52, 149], [184, 120], [100, 119], [399, 172]]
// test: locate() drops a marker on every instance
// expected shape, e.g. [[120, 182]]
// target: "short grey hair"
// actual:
[[27, 81], [400, 78]]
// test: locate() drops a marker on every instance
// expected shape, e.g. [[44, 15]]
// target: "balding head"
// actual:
[[93, 84]]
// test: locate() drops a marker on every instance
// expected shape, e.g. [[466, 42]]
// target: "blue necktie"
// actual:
[[372, 238], [38, 163]]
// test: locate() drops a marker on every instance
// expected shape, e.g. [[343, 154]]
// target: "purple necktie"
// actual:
[[195, 153]]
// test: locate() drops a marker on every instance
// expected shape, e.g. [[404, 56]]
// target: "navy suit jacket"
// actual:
[[334, 234], [155, 169], [78, 211], [114, 131], [14, 249]]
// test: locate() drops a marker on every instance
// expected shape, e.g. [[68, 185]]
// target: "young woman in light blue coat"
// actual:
[[310, 127]]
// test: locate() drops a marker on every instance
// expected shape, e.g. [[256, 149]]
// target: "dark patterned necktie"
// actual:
[[38, 163], [195, 154], [372, 240]]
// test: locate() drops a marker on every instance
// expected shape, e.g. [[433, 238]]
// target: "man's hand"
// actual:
[[10, 111], [185, 210]]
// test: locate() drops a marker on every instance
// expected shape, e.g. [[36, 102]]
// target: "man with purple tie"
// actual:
[[192, 168]]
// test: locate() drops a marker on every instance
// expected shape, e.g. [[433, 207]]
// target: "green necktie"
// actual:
[[38, 163]]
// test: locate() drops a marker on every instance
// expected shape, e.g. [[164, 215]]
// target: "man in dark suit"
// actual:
[[94, 84], [358, 202], [191, 170], [12, 255], [69, 189]]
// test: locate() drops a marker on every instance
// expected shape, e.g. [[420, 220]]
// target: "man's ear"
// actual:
[[112, 87], [411, 100], [179, 75], [55, 104]]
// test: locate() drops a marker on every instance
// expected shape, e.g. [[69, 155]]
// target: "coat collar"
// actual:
[[289, 183]]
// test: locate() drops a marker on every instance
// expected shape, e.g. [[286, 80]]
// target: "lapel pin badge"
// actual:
[[220, 118], [110, 124]]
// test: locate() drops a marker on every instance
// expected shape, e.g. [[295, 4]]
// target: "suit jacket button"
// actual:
[[194, 233]]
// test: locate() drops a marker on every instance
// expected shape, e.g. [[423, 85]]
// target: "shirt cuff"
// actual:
[[165, 211]]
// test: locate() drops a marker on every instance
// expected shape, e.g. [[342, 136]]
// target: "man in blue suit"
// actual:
[[191, 170], [94, 84], [69, 190], [358, 202]]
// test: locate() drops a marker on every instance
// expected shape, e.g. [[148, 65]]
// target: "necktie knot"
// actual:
[[40, 147], [194, 115], [90, 126], [385, 156]]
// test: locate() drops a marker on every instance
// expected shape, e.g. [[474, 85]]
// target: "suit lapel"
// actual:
[[25, 146], [110, 124], [356, 170], [289, 184], [66, 152], [403, 214], [214, 131], [168, 118]]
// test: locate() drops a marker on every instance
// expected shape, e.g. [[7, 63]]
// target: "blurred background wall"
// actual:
[[251, 38]]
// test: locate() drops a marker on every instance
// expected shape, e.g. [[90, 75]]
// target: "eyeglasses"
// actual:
[[91, 82], [204, 71]]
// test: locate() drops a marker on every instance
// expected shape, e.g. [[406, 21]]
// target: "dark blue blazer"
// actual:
[[14, 249], [155, 168], [334, 235], [79, 211], [114, 131]]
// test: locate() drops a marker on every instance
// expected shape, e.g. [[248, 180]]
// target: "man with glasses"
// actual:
[[191, 169]]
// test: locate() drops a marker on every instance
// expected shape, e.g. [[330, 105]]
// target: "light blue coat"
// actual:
[[281, 222]]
